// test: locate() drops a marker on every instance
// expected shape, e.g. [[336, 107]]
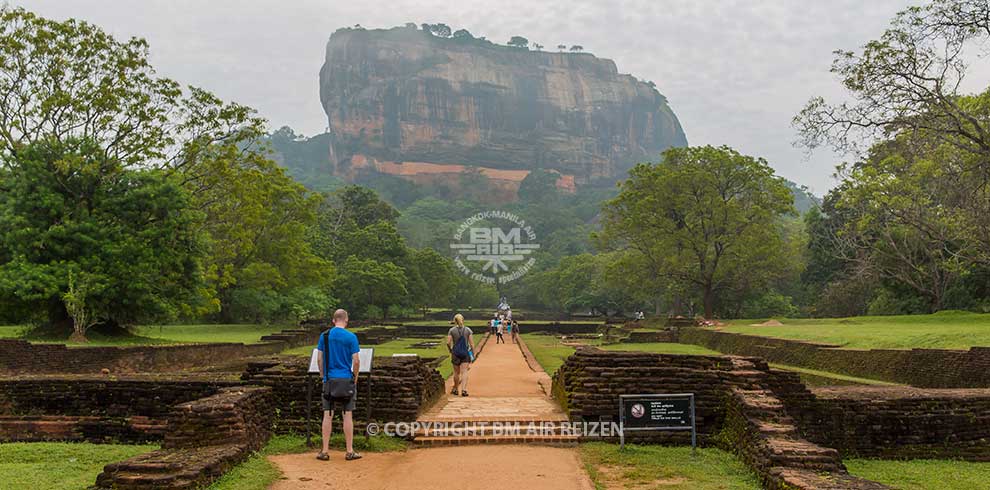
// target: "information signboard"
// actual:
[[366, 356], [657, 412]]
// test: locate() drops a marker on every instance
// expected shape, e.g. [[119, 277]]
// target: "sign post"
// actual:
[[657, 412], [366, 356]]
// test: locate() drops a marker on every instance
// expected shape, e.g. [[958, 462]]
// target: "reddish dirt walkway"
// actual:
[[501, 387], [462, 468]]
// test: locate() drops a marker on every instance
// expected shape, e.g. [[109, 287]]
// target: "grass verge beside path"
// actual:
[[945, 330], [257, 473], [59, 465], [814, 377], [670, 468], [922, 474]]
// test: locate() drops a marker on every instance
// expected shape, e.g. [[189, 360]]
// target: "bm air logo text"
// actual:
[[501, 252]]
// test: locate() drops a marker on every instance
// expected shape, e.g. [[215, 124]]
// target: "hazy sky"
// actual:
[[735, 72]]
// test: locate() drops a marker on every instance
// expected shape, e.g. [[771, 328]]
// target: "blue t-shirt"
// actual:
[[339, 355]]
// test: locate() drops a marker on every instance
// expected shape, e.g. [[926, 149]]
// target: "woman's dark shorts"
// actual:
[[458, 360]]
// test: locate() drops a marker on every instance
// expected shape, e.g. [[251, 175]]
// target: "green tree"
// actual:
[[704, 218], [364, 283], [907, 80], [70, 80], [90, 241], [431, 279], [518, 42]]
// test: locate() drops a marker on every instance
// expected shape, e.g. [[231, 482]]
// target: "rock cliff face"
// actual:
[[403, 102]]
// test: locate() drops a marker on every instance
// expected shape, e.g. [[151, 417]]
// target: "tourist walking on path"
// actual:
[[460, 344], [515, 332], [499, 330], [339, 365]]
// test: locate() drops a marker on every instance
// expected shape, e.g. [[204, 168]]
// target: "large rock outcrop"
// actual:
[[404, 102]]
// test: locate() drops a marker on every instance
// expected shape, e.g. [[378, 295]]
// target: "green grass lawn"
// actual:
[[11, 331], [551, 353], [59, 465], [947, 330], [814, 377], [207, 333], [158, 335], [923, 474], [257, 473], [670, 468]]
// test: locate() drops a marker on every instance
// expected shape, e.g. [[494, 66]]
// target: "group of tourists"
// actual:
[[501, 325]]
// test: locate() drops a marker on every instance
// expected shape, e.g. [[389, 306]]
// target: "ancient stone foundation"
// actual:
[[955, 368], [205, 438], [401, 387], [793, 437], [20, 357]]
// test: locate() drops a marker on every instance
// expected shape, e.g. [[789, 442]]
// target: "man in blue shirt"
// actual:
[[339, 364]]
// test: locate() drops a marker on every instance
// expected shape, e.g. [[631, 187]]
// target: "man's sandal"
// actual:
[[453, 391], [323, 457], [464, 393], [352, 456]]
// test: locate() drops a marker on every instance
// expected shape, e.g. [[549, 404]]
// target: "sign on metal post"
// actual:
[[657, 412]]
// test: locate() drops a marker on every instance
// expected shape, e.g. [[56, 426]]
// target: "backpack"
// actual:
[[461, 346]]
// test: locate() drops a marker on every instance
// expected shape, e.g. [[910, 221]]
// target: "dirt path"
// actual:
[[501, 387], [466, 468]]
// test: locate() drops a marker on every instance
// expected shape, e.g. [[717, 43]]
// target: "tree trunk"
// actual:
[[78, 337], [709, 303]]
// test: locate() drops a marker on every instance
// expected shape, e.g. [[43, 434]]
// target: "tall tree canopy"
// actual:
[[705, 219], [87, 241]]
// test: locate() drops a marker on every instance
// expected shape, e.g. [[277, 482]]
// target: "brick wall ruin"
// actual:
[[21, 357], [956, 368], [790, 435], [90, 408], [401, 388], [204, 439]]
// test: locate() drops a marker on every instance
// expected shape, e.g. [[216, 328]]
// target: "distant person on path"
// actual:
[[508, 328], [339, 365], [494, 324], [499, 331], [460, 344], [515, 332]]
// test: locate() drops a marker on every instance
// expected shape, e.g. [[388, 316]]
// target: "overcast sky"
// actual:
[[735, 72]]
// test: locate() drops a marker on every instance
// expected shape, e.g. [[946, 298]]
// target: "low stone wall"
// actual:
[[589, 383], [956, 368], [21, 357], [96, 408], [401, 388], [204, 439], [239, 415], [560, 328], [645, 336], [897, 422], [735, 406]]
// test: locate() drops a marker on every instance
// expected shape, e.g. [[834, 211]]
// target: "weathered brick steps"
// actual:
[[172, 469], [801, 479], [204, 439]]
